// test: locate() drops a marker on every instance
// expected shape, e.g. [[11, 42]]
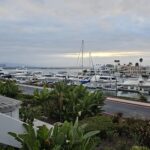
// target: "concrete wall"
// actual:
[[14, 113], [9, 124]]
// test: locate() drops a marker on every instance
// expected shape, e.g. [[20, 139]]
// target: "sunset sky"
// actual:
[[49, 32]]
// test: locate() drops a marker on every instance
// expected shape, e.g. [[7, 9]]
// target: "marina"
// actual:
[[113, 84]]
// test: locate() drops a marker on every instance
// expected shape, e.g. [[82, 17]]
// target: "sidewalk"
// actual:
[[128, 101]]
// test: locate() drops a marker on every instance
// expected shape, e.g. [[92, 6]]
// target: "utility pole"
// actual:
[[116, 88]]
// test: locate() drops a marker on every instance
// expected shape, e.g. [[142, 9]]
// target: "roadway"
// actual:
[[112, 106], [29, 89], [128, 110]]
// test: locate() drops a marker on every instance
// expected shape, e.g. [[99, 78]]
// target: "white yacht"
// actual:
[[78, 79], [53, 78], [23, 79], [19, 72], [103, 79], [102, 82], [138, 85]]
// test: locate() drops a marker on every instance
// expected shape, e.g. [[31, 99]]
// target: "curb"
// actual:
[[147, 105]]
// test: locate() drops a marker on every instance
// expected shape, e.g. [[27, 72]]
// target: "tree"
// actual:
[[137, 64], [68, 102], [9, 88], [141, 60], [41, 96], [137, 67]]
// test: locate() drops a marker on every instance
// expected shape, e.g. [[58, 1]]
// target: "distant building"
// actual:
[[105, 69], [134, 71]]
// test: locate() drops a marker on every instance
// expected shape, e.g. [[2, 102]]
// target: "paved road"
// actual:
[[29, 89], [110, 107], [128, 110]]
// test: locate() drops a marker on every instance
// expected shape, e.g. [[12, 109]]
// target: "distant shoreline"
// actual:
[[46, 67]]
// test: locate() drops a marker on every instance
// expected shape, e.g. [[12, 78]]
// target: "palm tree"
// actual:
[[137, 67], [141, 60], [137, 64], [69, 102]]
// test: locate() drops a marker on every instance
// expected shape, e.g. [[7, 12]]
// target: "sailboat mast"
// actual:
[[82, 54]]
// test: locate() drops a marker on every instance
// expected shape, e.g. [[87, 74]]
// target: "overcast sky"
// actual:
[[49, 32]]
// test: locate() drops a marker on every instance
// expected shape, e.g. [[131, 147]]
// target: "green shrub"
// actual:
[[25, 97], [9, 88], [67, 102], [67, 136], [143, 98], [140, 130], [139, 148], [27, 114], [103, 124], [117, 118], [41, 96]]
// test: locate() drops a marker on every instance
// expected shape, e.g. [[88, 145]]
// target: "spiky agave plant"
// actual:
[[67, 136]]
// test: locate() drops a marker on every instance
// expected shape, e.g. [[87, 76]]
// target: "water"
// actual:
[[47, 71]]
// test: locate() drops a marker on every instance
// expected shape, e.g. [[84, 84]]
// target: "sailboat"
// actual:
[[80, 78]]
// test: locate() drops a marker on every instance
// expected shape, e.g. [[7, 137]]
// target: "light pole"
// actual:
[[116, 88]]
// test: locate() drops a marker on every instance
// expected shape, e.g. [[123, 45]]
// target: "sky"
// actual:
[[49, 32]]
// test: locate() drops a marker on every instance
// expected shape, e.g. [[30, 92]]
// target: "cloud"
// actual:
[[107, 54], [67, 9], [46, 27]]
